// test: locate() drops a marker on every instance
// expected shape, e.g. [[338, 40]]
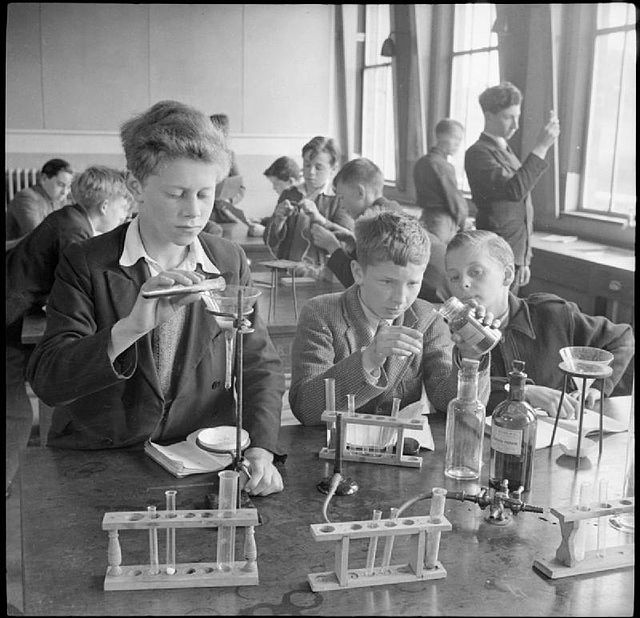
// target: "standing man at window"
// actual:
[[30, 206], [501, 185], [444, 208]]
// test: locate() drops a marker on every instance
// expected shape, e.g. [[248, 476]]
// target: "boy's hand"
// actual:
[[283, 210], [324, 239], [147, 313], [310, 208], [592, 396], [484, 317], [265, 478], [388, 341], [548, 399]]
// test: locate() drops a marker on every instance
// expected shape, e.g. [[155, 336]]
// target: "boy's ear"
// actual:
[[104, 206], [134, 186], [509, 275], [357, 271], [362, 191]]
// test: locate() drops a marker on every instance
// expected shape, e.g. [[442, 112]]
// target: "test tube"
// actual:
[[438, 497], [227, 500], [373, 545], [388, 546], [580, 535], [170, 496], [154, 565], [395, 408], [351, 405], [330, 406], [603, 489]]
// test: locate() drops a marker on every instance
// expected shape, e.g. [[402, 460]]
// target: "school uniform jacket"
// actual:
[[31, 264], [27, 210], [501, 187], [100, 405], [332, 331]]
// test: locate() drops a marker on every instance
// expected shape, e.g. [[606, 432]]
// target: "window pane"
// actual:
[[472, 27], [603, 119], [614, 14], [378, 129], [624, 180], [471, 74], [378, 28]]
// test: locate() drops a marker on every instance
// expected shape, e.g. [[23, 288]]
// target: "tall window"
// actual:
[[474, 67], [378, 125], [610, 176]]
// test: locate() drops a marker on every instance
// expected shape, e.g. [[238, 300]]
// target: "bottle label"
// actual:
[[471, 334], [507, 441]]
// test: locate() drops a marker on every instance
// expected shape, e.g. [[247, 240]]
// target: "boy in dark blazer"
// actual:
[[480, 265], [377, 339], [121, 368], [501, 185]]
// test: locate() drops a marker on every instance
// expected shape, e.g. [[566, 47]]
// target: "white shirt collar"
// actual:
[[134, 250]]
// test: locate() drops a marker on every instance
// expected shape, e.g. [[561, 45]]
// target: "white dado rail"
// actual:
[[108, 142]]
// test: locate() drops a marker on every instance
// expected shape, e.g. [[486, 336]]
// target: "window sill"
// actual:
[[590, 216]]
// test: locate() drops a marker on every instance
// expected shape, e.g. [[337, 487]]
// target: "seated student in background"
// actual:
[[480, 265], [120, 368], [444, 208], [284, 173], [360, 184], [377, 339], [30, 206], [287, 233], [101, 201]]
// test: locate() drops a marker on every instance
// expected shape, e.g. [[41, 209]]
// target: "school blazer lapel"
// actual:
[[357, 332], [123, 285]]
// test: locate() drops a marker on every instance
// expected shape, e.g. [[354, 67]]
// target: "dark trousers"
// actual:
[[19, 415]]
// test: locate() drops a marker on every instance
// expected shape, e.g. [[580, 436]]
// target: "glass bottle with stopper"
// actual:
[[458, 315], [465, 426], [513, 435]]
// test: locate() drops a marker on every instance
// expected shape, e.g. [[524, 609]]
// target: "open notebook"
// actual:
[[186, 457], [568, 428], [376, 437]]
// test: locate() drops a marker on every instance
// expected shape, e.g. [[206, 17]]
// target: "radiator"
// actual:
[[17, 179]]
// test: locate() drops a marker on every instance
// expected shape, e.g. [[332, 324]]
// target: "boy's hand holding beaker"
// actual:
[[391, 340]]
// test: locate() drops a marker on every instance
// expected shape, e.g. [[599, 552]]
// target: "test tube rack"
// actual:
[[566, 562], [379, 457], [423, 562], [187, 574]]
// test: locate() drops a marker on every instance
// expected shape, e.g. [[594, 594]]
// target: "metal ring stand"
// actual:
[[599, 375]]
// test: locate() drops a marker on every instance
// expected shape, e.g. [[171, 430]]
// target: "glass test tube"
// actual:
[[603, 489], [580, 536], [154, 565], [351, 411], [438, 497], [227, 500], [351, 405], [330, 406], [170, 496], [388, 546], [373, 546]]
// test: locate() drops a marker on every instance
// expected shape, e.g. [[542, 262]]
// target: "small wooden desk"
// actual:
[[489, 568]]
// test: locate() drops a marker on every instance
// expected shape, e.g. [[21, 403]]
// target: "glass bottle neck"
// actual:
[[516, 388], [468, 386]]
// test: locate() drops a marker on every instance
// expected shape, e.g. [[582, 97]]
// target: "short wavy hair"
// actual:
[[361, 171], [320, 144], [54, 166], [384, 235], [499, 97], [171, 130], [98, 183], [495, 246], [284, 168]]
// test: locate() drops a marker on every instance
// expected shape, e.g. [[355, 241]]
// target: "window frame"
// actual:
[[581, 209]]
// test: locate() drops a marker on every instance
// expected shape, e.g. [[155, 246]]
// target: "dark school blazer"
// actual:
[[98, 405]]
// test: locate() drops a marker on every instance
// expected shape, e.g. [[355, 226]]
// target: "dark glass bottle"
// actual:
[[465, 426], [513, 435]]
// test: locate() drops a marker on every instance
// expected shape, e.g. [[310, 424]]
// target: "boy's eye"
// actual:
[[476, 273]]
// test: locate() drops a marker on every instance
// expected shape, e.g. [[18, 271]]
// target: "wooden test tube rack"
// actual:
[[187, 575], [391, 459], [566, 562], [415, 570]]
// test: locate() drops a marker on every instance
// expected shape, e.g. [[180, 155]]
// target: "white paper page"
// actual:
[[192, 457]]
